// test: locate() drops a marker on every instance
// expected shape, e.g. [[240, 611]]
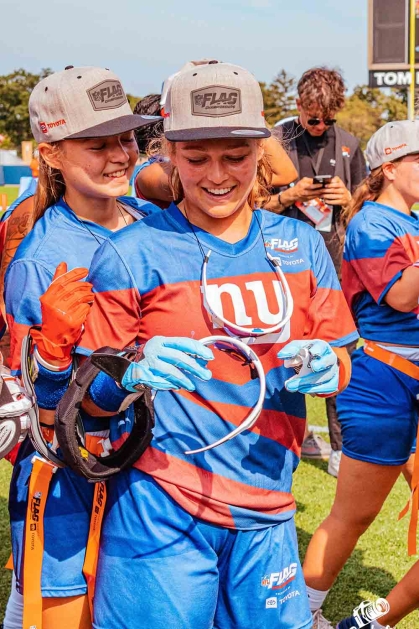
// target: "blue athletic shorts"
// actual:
[[378, 412], [66, 525], [159, 567]]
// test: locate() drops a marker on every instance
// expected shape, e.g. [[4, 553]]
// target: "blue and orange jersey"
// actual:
[[380, 244], [59, 236], [147, 280]]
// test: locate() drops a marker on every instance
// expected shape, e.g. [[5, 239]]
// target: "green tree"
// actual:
[[367, 109], [279, 97], [15, 89], [133, 100]]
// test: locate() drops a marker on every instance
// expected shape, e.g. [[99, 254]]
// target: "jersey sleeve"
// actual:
[[329, 317], [377, 256], [25, 282], [114, 318]]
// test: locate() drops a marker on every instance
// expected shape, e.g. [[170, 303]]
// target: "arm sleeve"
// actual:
[[377, 256], [50, 386], [327, 300], [25, 282]]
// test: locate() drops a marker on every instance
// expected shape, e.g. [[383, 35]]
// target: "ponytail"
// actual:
[[50, 189], [368, 190]]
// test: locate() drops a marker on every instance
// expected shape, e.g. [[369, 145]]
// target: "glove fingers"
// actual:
[[187, 345], [169, 378], [60, 270], [66, 296], [328, 387], [290, 350], [323, 356], [69, 300], [183, 361], [70, 276], [310, 380]]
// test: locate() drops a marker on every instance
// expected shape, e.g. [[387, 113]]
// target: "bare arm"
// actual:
[[283, 170], [153, 182], [404, 294]]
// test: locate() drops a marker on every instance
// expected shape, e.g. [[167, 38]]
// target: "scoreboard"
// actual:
[[388, 43]]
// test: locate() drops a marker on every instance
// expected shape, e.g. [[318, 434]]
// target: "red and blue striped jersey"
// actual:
[[147, 280], [380, 243]]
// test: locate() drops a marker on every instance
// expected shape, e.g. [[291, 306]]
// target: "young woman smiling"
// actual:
[[84, 126], [208, 539]]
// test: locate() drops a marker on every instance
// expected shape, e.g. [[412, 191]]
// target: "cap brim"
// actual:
[[214, 133], [115, 126]]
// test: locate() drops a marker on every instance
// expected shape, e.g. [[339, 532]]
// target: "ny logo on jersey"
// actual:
[[242, 315]]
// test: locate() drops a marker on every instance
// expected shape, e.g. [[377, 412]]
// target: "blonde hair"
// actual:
[[51, 186], [258, 197], [368, 190]]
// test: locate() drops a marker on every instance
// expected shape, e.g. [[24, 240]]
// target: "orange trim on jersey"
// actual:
[[207, 495]]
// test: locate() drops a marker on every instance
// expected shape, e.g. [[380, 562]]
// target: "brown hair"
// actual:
[[50, 187], [322, 87], [368, 190], [258, 197]]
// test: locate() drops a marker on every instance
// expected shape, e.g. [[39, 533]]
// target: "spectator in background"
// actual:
[[317, 148]]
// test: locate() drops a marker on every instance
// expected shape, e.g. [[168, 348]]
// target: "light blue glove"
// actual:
[[164, 361], [318, 363]]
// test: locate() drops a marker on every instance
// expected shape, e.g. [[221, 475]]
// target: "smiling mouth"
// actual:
[[219, 193], [116, 174]]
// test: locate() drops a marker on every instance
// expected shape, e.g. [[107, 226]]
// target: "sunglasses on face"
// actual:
[[313, 122]]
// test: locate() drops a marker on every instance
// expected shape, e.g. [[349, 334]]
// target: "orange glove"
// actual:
[[65, 306]]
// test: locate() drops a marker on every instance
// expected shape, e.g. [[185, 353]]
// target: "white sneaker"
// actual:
[[319, 621], [334, 462]]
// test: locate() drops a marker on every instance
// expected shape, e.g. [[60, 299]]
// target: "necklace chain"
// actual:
[[84, 223], [199, 242]]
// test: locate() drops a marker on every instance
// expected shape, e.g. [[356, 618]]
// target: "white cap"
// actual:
[[215, 100], [393, 140], [167, 83], [84, 102]]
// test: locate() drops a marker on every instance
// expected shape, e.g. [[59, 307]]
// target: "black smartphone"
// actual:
[[322, 178]]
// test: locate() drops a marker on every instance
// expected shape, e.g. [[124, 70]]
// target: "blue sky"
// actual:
[[144, 42]]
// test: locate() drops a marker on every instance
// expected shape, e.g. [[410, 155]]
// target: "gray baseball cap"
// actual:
[[393, 140], [84, 102], [215, 100]]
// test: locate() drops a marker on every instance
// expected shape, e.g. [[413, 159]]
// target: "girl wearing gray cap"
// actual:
[[378, 410], [84, 126], [192, 536]]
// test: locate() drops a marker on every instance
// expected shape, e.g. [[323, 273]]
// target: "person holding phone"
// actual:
[[330, 165]]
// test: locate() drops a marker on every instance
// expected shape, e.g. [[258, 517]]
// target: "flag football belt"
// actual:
[[39, 484], [410, 369], [68, 423]]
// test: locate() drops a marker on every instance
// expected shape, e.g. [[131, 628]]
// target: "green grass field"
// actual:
[[379, 561], [11, 192]]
